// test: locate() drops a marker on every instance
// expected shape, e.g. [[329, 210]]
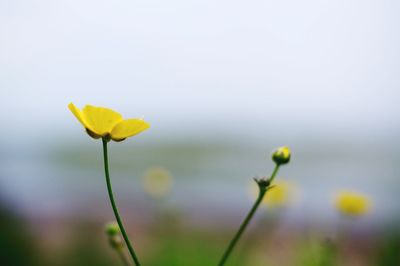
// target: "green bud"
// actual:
[[281, 155], [263, 183], [116, 242], [112, 229]]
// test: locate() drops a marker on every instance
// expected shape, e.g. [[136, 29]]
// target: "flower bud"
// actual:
[[114, 237], [112, 229], [281, 155], [116, 242], [262, 183]]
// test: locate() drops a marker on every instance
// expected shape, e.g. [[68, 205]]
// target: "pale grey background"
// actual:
[[320, 76]]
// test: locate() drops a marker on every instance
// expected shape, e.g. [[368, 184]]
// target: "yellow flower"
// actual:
[[352, 203], [157, 182], [101, 122], [281, 194]]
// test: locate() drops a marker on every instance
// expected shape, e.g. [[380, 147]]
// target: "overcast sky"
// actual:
[[319, 61]]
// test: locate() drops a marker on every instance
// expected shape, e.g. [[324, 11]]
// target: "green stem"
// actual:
[[274, 173], [114, 206], [123, 257], [261, 194]]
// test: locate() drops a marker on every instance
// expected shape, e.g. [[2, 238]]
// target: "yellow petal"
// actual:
[[128, 128], [79, 115], [102, 120]]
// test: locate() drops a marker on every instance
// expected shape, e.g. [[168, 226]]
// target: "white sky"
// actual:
[[312, 60]]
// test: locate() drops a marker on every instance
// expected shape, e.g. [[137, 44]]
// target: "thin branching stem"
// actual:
[[262, 191]]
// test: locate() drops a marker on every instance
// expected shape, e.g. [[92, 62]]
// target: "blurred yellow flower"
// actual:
[[103, 122], [157, 182], [281, 194], [351, 203]]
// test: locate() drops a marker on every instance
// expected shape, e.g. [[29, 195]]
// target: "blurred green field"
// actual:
[[168, 240]]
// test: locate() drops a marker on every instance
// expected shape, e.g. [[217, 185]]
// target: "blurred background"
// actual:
[[222, 83]]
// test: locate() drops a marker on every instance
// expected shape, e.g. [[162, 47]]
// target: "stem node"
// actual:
[[263, 185]]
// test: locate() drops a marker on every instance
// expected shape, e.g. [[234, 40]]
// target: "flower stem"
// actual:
[[261, 194], [123, 257], [114, 206], [274, 173]]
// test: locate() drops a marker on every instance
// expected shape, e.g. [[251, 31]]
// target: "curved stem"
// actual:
[[114, 206], [261, 194]]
